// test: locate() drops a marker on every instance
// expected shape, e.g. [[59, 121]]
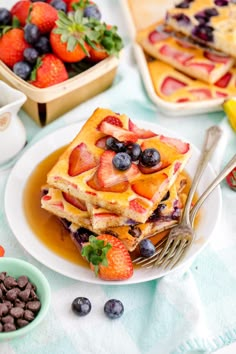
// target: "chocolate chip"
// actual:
[[3, 309], [28, 315], [11, 295], [33, 306], [17, 312], [21, 322], [9, 327], [19, 303], [1, 327], [2, 276], [22, 281], [24, 294], [33, 295], [10, 282], [8, 319]]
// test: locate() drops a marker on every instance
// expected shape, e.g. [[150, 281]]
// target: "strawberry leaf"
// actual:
[[95, 252]]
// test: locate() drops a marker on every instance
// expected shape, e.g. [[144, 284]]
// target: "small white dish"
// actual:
[[12, 130], [39, 151]]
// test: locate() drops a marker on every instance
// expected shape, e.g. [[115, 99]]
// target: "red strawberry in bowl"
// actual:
[[49, 71], [12, 46]]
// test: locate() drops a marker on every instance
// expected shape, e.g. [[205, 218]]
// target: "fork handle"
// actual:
[[228, 168], [212, 138]]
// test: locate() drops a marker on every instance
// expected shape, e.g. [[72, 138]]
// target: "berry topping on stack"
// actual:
[[116, 179]]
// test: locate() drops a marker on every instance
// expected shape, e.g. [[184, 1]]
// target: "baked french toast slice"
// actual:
[[90, 170]]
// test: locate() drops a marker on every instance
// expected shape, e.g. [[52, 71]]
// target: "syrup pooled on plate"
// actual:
[[46, 226]]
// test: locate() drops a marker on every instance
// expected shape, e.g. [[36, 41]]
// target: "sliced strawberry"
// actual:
[[216, 58], [150, 188], [171, 85], [221, 94], [46, 197], [203, 67], [201, 93], [112, 120], [177, 166], [141, 133], [81, 160], [96, 185], [137, 205], [179, 145], [58, 205], [184, 44], [109, 176], [156, 36], [224, 80], [181, 100], [101, 143], [175, 54], [75, 201], [118, 133]]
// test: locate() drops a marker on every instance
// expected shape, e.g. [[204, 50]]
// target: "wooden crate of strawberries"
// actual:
[[58, 52]]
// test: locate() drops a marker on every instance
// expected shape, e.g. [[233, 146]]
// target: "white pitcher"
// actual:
[[12, 130]]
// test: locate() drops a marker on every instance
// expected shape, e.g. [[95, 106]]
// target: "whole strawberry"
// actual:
[[49, 71], [108, 257], [69, 38], [231, 179], [12, 46], [43, 15], [74, 36], [20, 10]]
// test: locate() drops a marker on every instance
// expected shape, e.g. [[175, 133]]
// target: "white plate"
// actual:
[[168, 108], [31, 243]]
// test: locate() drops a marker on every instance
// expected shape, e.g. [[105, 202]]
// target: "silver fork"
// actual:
[[182, 234]]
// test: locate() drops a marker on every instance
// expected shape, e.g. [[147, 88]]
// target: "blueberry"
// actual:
[[5, 16], [211, 12], [59, 5], [31, 55], [81, 306], [43, 45], [146, 248], [166, 196], [122, 161], [22, 69], [182, 19], [114, 308], [115, 145], [92, 11], [31, 33], [202, 17], [221, 2], [204, 33], [176, 214], [150, 157], [184, 4], [81, 235], [134, 150]]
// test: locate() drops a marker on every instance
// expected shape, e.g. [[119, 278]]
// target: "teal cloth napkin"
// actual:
[[184, 312]]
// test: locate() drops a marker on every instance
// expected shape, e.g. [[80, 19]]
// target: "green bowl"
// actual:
[[15, 268]]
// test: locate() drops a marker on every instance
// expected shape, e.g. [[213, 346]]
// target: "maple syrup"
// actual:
[[46, 226]]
